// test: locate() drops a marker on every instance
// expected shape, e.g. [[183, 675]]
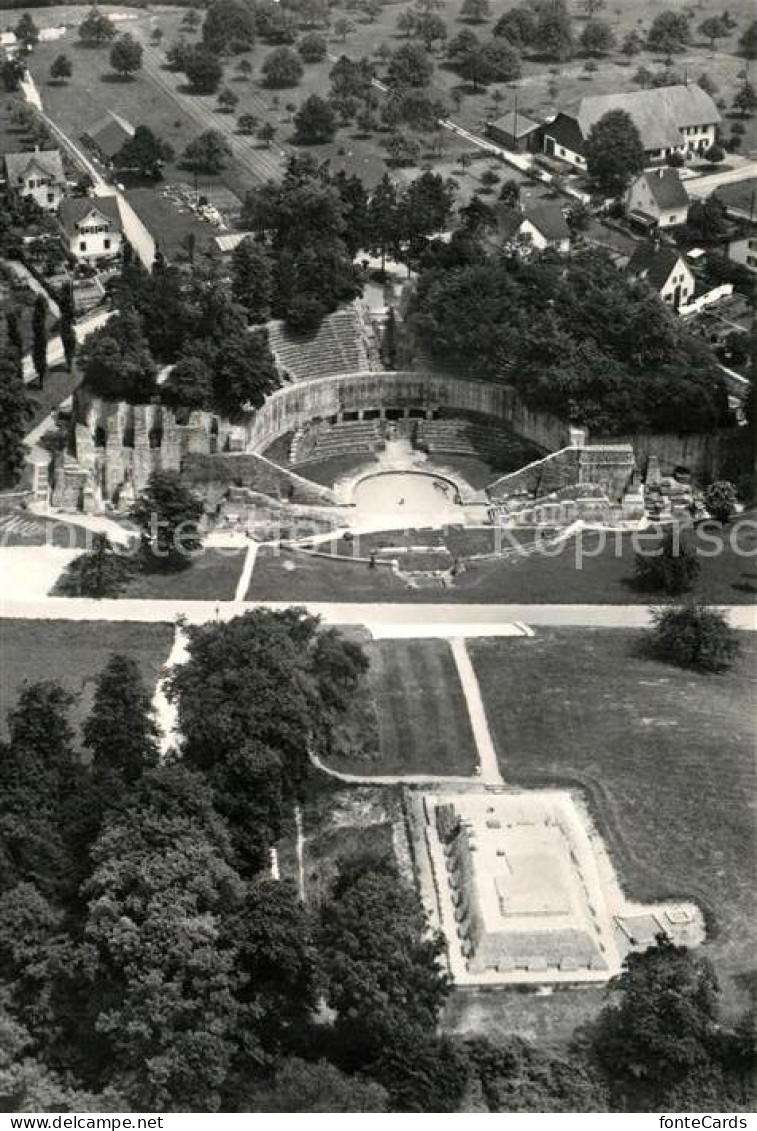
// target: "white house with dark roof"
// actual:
[[38, 175], [658, 199], [92, 227], [670, 119], [537, 227], [545, 226], [665, 270]]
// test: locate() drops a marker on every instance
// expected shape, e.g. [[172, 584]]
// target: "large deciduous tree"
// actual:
[[116, 362], [694, 636], [208, 153], [660, 1030], [282, 68], [614, 153], [126, 55], [202, 68], [168, 517], [252, 279], [229, 25], [669, 32], [379, 959], [315, 121], [100, 572], [96, 29], [410, 65], [145, 153]]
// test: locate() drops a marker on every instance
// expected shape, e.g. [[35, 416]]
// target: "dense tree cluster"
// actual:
[[193, 320], [308, 229], [576, 339]]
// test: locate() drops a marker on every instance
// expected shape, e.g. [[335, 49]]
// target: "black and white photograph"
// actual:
[[378, 562]]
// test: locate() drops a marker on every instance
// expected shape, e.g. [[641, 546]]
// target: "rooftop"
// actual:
[[110, 134], [653, 263], [740, 197], [77, 208], [518, 125], [548, 217], [667, 188], [48, 160], [659, 114]]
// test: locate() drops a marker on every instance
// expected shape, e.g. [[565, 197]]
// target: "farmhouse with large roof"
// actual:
[[670, 119]]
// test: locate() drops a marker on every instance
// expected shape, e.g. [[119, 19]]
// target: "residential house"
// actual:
[[92, 227], [658, 199], [109, 136], [545, 225], [539, 226], [744, 251], [38, 174], [513, 131], [670, 119], [665, 270], [739, 199]]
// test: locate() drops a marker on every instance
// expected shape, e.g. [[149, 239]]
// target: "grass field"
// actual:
[[666, 757], [601, 574], [423, 719], [74, 653], [213, 576]]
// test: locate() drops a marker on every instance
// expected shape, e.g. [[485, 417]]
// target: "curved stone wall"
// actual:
[[296, 404]]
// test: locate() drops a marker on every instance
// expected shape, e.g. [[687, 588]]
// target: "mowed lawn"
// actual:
[[595, 568], [665, 756], [74, 653], [424, 726], [212, 576]]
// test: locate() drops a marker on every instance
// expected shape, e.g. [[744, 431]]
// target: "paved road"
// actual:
[[259, 164], [703, 186], [459, 620]]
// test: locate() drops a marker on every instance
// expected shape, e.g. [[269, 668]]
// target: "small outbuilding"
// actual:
[[514, 131]]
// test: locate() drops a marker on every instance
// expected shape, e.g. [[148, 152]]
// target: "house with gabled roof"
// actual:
[[108, 136], [670, 119], [657, 199], [539, 226], [92, 227], [665, 270], [36, 174], [513, 131]]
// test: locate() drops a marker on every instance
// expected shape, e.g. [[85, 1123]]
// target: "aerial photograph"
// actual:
[[378, 561]]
